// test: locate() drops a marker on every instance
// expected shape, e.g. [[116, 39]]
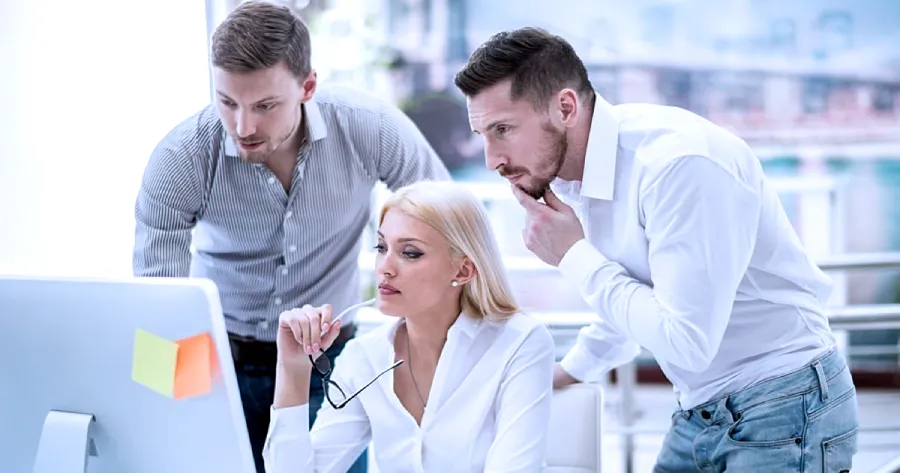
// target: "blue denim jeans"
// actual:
[[804, 421], [257, 386]]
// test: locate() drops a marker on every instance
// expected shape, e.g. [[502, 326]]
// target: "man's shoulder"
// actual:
[[657, 135], [346, 100], [197, 130], [189, 148]]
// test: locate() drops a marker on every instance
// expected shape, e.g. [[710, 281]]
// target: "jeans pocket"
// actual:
[[775, 423], [838, 452]]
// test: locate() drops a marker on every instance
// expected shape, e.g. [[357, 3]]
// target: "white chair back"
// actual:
[[575, 430]]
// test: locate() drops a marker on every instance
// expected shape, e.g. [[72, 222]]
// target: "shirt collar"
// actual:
[[315, 126], [599, 173]]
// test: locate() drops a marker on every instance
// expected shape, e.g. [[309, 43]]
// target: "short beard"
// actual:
[[556, 156], [263, 157]]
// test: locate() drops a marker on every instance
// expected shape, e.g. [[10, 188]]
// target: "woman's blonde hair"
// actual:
[[459, 215]]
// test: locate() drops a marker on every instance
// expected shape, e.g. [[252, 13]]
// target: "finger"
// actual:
[[326, 317], [313, 326], [528, 235], [331, 335], [284, 320], [525, 200], [554, 202], [287, 321], [321, 317], [296, 325]]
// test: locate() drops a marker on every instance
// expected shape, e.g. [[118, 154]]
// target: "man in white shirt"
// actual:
[[677, 240]]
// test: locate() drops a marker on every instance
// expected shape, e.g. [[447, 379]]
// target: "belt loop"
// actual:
[[823, 381]]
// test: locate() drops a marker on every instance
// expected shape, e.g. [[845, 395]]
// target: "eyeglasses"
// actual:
[[324, 367]]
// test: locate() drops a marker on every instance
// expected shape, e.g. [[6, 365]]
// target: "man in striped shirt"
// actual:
[[272, 185]]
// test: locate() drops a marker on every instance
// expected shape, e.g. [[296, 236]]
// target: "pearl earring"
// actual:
[[454, 283]]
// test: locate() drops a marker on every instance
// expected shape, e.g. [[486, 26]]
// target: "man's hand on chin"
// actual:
[[561, 378]]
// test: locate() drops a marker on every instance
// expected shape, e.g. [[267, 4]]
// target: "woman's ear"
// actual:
[[466, 271]]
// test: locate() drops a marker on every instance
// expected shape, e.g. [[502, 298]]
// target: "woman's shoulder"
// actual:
[[523, 320], [530, 328]]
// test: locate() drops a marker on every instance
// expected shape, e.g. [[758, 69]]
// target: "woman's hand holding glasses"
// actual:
[[303, 333]]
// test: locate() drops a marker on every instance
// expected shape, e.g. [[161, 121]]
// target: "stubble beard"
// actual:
[[552, 161]]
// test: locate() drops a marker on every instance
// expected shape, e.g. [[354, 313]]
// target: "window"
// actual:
[[883, 98], [815, 95]]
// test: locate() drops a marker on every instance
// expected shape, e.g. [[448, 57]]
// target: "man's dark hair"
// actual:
[[538, 63], [258, 35]]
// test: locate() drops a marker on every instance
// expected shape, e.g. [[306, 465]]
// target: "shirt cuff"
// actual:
[[288, 421], [580, 262], [583, 366]]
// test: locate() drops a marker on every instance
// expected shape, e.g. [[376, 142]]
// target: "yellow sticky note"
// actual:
[[154, 362]]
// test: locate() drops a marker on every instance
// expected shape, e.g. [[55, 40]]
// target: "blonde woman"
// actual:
[[460, 382]]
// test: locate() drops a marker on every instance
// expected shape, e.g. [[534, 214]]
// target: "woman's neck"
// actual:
[[427, 332]]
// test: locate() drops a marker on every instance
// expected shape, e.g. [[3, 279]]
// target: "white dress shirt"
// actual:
[[488, 408], [688, 253]]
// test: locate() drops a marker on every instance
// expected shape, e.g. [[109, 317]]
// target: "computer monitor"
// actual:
[[125, 376]]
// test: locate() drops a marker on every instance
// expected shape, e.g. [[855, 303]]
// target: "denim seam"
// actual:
[[835, 402], [779, 398], [834, 441], [840, 438], [804, 437]]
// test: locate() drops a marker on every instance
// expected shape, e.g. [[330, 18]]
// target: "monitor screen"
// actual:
[[106, 376]]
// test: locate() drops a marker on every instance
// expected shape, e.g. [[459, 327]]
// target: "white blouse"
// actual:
[[488, 408]]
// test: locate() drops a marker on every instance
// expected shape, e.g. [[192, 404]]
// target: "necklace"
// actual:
[[409, 365]]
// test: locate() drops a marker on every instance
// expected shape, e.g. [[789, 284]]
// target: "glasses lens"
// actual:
[[335, 393], [322, 364]]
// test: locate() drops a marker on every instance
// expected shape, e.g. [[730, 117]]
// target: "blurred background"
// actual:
[[88, 88]]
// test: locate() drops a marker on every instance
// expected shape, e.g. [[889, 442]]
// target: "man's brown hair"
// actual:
[[258, 35], [538, 63]]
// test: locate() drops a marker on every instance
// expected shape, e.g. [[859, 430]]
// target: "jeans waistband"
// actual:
[[815, 375]]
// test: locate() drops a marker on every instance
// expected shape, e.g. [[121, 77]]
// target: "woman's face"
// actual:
[[414, 267]]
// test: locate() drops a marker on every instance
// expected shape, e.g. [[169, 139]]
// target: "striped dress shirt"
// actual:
[[269, 250]]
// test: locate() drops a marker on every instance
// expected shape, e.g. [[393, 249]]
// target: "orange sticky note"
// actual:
[[195, 366]]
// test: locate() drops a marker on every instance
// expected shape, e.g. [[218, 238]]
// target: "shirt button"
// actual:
[[271, 180], [293, 248], [288, 214], [264, 325], [284, 271], [277, 301]]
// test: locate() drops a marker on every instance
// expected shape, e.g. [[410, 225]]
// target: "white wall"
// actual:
[[86, 91]]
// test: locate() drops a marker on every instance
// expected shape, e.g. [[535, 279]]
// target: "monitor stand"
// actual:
[[65, 443]]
